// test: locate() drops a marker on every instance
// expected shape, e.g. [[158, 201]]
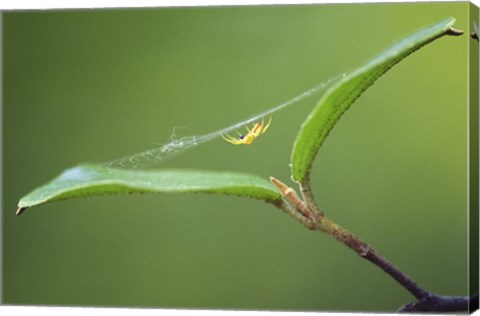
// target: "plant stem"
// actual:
[[365, 251], [293, 211], [426, 301], [316, 220], [308, 196], [308, 213], [435, 303], [291, 196]]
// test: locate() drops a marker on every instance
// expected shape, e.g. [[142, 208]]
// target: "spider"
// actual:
[[246, 139]]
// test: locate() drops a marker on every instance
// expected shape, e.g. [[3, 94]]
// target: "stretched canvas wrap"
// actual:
[[317, 157]]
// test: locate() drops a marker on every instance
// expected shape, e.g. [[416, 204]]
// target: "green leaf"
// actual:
[[338, 98], [91, 180]]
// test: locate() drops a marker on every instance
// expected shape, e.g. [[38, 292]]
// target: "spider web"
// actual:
[[175, 146]]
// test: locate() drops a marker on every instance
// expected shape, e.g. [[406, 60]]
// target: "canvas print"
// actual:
[[317, 157]]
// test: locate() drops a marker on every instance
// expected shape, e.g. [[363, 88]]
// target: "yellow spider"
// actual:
[[257, 130]]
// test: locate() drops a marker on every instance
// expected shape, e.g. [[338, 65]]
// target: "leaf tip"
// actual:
[[474, 36], [20, 211], [454, 32]]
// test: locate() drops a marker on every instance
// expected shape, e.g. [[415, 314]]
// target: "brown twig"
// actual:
[[435, 303], [326, 225], [367, 252], [316, 220]]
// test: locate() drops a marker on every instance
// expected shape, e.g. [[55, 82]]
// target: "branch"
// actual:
[[324, 224], [308, 213], [367, 252], [435, 303]]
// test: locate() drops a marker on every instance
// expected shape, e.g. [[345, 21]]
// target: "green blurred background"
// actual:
[[95, 85]]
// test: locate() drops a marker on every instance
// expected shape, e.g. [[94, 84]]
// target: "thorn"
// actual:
[[454, 32], [20, 211]]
